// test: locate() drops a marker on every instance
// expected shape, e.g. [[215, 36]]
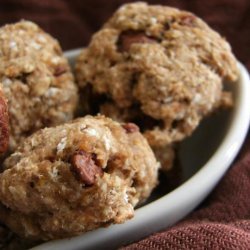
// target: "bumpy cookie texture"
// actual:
[[4, 123], [164, 154], [161, 65], [76, 177], [36, 80]]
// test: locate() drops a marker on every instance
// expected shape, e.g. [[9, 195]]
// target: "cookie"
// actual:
[[158, 64], [76, 177], [36, 79], [164, 154]]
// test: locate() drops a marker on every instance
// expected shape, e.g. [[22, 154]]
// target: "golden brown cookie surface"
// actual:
[[36, 80], [157, 64], [76, 177]]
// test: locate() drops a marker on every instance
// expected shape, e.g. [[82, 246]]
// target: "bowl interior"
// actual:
[[195, 151]]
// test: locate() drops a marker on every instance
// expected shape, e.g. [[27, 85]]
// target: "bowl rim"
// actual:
[[172, 205]]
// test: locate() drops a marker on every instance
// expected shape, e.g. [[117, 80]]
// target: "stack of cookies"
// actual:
[[144, 83]]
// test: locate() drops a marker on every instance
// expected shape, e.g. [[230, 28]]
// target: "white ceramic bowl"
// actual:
[[205, 157]]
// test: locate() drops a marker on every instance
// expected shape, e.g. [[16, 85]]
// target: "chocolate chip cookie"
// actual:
[[160, 67], [76, 177], [36, 80]]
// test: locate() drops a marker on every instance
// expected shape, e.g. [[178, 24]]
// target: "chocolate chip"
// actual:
[[129, 37], [85, 167], [59, 70], [188, 20], [130, 127]]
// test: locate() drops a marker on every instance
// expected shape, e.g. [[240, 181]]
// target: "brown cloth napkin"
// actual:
[[223, 220]]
